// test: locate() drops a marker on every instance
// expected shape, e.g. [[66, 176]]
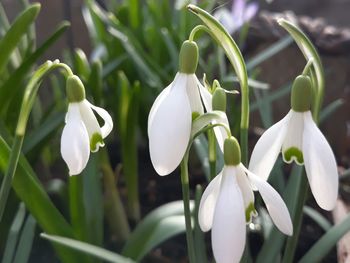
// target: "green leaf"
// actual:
[[18, 29], [323, 246], [12, 238], [13, 84], [309, 51], [317, 217], [29, 189], [87, 249], [269, 52], [26, 241], [161, 224], [224, 39]]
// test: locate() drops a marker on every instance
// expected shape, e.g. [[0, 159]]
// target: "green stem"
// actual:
[[76, 206], [186, 200], [197, 29], [6, 183], [288, 256], [308, 66]]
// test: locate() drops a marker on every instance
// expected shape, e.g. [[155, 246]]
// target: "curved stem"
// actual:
[[196, 29], [308, 66], [27, 103], [186, 200]]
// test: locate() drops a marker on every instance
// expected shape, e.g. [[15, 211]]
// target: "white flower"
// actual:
[[82, 134], [300, 140], [170, 120], [227, 205]]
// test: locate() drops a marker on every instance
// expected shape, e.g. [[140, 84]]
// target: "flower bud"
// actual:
[[188, 58], [75, 89], [219, 100], [301, 94], [232, 151]]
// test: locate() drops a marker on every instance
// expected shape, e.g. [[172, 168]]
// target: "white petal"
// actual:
[[208, 202], [247, 193], [108, 122], [206, 96], [320, 165], [193, 93], [169, 128], [75, 149], [267, 148], [92, 125], [275, 205], [293, 139], [156, 104], [229, 230]]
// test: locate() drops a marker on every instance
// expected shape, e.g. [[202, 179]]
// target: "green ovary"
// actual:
[[293, 153], [249, 211], [95, 139]]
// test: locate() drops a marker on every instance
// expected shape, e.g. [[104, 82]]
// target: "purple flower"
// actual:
[[240, 13]]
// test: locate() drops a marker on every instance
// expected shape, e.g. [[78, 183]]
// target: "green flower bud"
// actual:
[[188, 59], [75, 89], [301, 94], [232, 151], [219, 100]]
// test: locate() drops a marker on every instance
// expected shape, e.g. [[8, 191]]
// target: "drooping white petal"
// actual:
[[320, 165], [75, 149], [206, 96], [108, 122], [156, 104], [169, 128], [292, 144], [193, 93], [275, 205], [92, 126], [228, 230], [208, 202], [267, 148], [247, 193]]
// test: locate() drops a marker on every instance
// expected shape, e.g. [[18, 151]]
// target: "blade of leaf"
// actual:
[[322, 247], [161, 224], [26, 241], [12, 238], [309, 51], [12, 85], [19, 28], [87, 249], [317, 217]]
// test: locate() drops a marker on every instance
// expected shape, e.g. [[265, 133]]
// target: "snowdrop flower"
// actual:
[[170, 118], [227, 205], [300, 140], [240, 13], [82, 132]]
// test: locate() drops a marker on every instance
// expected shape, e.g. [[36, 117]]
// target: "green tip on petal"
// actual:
[[301, 94], [195, 115], [188, 59], [295, 154], [249, 212], [219, 100], [96, 139], [75, 89], [232, 151]]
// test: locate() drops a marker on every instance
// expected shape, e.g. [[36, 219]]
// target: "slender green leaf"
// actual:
[[269, 52], [317, 217], [26, 241], [12, 238], [13, 36], [323, 246], [310, 52], [161, 224], [224, 39], [13, 84], [198, 235], [89, 249]]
